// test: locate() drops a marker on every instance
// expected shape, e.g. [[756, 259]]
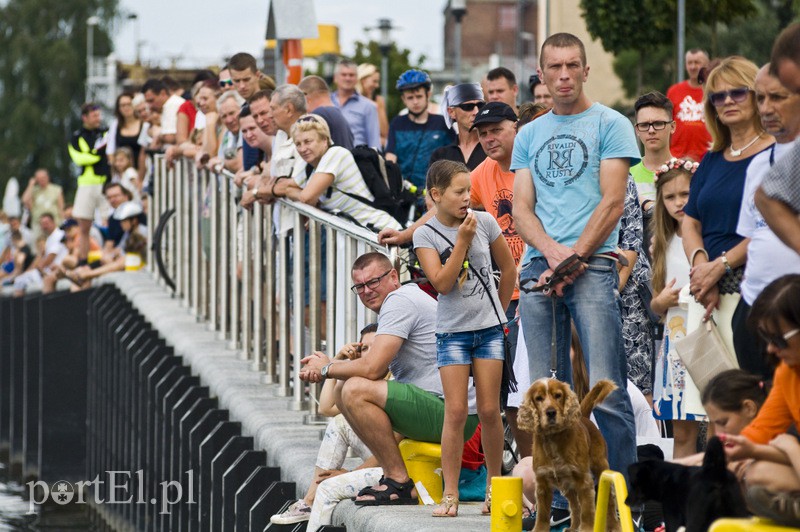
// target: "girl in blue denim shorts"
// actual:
[[455, 249]]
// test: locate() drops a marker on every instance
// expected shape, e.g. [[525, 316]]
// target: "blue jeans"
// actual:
[[592, 302]]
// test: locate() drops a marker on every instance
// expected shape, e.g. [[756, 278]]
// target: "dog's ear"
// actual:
[[528, 415], [572, 408], [714, 465]]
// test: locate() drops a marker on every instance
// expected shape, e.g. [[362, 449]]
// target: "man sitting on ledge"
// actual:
[[411, 404]]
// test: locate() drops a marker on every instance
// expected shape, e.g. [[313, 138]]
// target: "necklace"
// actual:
[[737, 153]]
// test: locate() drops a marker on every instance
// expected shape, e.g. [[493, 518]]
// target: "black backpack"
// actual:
[[385, 181]]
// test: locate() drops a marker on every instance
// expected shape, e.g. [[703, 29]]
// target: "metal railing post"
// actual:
[[225, 235], [175, 202], [196, 247], [314, 306], [258, 286], [298, 311], [283, 314], [330, 307], [213, 277], [233, 341], [186, 231], [247, 284], [270, 308]]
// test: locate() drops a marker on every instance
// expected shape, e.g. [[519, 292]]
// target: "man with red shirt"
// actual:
[[691, 139]]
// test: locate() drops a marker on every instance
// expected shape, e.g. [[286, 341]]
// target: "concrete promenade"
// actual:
[[288, 442]]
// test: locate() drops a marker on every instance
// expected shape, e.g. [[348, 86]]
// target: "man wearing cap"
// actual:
[[493, 191], [462, 102], [87, 149], [569, 193]]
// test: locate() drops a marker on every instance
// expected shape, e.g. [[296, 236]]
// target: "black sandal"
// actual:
[[384, 498]]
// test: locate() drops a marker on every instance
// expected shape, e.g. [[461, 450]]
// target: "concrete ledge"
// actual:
[[288, 442]]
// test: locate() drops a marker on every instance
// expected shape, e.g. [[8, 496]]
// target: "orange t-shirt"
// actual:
[[780, 410], [493, 190]]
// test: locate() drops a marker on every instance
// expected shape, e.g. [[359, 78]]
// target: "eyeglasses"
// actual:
[[737, 95], [226, 83], [470, 106], [372, 284], [778, 340], [644, 127]]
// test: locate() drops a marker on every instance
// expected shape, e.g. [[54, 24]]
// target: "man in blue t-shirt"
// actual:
[[571, 172], [413, 137]]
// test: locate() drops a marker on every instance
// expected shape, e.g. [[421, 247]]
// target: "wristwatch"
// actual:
[[325, 368]]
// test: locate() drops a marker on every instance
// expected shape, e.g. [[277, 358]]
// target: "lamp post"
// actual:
[[91, 22], [385, 46], [458, 8], [136, 44]]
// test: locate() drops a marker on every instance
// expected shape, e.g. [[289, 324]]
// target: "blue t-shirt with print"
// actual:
[[414, 143], [563, 153]]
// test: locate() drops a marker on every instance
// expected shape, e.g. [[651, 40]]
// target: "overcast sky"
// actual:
[[203, 32]]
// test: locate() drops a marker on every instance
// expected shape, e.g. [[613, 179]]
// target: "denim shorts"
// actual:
[[459, 348]]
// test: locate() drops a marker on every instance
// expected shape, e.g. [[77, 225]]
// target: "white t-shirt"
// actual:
[[767, 257], [339, 162], [169, 115], [54, 246]]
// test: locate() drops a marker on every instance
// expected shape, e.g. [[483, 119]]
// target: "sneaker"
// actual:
[[297, 512], [559, 519]]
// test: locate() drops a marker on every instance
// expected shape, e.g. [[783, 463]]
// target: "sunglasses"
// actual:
[[470, 106], [226, 83], [781, 341], [307, 118], [737, 95], [644, 127]]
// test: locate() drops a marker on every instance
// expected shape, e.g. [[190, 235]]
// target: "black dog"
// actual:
[[690, 496]]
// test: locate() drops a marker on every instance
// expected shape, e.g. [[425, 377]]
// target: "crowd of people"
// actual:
[[544, 229]]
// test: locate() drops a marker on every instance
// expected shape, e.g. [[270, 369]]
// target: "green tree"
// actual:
[[42, 75], [399, 61], [628, 26]]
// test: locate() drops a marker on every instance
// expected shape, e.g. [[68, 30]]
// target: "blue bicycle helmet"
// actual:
[[411, 79]]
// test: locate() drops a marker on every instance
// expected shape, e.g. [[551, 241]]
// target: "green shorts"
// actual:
[[418, 414]]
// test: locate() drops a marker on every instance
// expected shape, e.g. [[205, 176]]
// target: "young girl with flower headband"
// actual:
[[670, 274]]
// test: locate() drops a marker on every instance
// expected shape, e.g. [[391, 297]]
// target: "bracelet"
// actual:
[[725, 262], [272, 190], [694, 254]]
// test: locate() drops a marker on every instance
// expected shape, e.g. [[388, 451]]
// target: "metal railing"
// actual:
[[244, 273]]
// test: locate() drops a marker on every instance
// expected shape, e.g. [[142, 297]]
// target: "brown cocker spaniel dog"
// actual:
[[567, 449]]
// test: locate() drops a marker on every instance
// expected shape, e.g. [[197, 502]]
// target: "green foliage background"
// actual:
[[42, 76], [641, 34]]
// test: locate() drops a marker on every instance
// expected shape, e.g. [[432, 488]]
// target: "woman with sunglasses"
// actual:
[[715, 251], [332, 180], [772, 477]]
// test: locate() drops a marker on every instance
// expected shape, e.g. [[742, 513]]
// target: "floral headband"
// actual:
[[674, 164]]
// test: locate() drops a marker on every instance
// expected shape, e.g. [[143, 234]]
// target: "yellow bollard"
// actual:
[[506, 504]]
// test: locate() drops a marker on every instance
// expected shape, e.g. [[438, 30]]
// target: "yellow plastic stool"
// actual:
[[755, 524], [607, 478], [424, 464]]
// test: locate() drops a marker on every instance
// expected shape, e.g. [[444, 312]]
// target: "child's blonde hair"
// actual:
[[663, 226]]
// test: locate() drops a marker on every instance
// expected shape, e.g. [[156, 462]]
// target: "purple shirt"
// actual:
[[362, 115]]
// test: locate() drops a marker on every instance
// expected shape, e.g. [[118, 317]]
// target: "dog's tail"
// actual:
[[714, 464], [596, 395]]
